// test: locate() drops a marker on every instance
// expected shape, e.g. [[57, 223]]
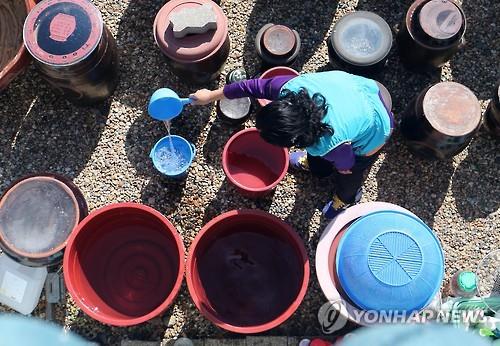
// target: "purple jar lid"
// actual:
[[62, 32]]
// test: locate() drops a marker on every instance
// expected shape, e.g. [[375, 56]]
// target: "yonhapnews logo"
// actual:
[[332, 316]]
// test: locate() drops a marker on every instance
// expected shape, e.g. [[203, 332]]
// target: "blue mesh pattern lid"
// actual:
[[388, 260]]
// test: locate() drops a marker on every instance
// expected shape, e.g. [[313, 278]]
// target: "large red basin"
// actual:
[[124, 264], [247, 271], [254, 166]]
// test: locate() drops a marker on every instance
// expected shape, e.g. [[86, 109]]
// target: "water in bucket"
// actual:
[[168, 158]]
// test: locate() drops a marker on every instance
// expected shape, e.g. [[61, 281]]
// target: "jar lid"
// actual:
[[62, 32], [389, 260], [235, 109], [36, 216], [362, 38], [279, 40], [452, 109], [467, 281], [194, 47], [440, 19]]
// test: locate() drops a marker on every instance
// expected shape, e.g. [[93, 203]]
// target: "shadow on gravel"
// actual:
[[414, 183], [44, 133], [476, 66], [102, 334], [163, 194], [228, 198], [295, 14], [216, 140], [476, 183]]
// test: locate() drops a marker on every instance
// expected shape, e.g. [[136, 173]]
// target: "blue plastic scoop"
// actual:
[[165, 104]]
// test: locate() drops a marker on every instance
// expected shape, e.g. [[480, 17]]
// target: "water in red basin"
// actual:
[[247, 271], [124, 264], [253, 165]]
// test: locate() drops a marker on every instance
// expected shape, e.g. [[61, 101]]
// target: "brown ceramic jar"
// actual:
[[441, 121], [198, 57], [432, 32], [73, 49], [492, 114]]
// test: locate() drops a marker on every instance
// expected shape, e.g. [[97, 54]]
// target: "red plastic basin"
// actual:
[[247, 271], [274, 72], [123, 264], [254, 166]]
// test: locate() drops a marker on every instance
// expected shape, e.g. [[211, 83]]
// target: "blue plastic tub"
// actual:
[[390, 261], [186, 149]]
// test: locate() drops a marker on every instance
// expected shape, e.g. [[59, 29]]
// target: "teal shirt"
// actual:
[[355, 111]]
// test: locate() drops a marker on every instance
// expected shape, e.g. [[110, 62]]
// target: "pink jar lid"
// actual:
[[62, 32], [191, 48]]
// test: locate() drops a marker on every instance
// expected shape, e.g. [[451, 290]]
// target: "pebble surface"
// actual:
[[105, 149]]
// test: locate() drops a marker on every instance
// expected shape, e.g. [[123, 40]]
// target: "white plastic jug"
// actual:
[[20, 286]]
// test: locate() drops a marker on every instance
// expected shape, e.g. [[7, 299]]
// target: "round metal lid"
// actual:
[[389, 260], [440, 19], [279, 40], [452, 109], [62, 32], [235, 108], [37, 215], [190, 48], [362, 38]]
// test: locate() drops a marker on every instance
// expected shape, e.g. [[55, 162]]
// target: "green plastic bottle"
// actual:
[[463, 284]]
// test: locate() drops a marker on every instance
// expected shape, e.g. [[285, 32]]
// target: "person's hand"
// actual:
[[346, 172], [201, 97]]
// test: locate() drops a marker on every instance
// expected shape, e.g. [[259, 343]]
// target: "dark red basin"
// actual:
[[254, 166], [247, 271], [123, 264]]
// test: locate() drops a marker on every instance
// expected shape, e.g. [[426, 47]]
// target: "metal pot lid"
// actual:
[[36, 216], [193, 47], [235, 108], [279, 40], [440, 19], [452, 109], [62, 32], [362, 38]]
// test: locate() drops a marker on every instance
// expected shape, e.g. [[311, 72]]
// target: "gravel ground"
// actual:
[[105, 149]]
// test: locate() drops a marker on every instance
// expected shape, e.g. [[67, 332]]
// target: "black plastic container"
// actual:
[[73, 49], [432, 32], [441, 121]]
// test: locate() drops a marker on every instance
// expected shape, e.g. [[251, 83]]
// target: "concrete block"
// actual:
[[196, 20], [266, 341]]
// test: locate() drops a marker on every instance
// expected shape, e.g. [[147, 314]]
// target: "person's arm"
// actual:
[[342, 157], [258, 88]]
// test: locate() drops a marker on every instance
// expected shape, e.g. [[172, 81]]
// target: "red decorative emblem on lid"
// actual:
[[62, 26]]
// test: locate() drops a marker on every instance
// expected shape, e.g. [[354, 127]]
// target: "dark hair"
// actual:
[[295, 119]]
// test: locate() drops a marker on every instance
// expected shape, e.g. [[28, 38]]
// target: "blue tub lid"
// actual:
[[388, 260]]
